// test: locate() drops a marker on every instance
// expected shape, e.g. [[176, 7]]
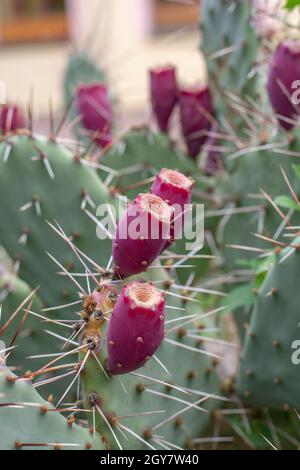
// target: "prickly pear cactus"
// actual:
[[30, 423], [273, 338], [65, 190], [166, 404]]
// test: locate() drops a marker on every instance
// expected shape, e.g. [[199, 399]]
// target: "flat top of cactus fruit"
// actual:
[[176, 179], [144, 295], [156, 206], [293, 45]]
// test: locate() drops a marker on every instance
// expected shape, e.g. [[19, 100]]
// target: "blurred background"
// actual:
[[125, 38]]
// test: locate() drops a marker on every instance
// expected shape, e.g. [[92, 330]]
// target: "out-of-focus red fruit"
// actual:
[[94, 106], [284, 73], [196, 113], [164, 94], [11, 118]]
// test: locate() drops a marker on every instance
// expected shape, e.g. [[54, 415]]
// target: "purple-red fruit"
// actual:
[[196, 113], [173, 187], [136, 327], [94, 106], [11, 118], [141, 234], [176, 190], [164, 94], [283, 82]]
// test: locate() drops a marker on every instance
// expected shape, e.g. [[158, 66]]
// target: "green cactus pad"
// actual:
[[28, 424], [31, 338], [256, 172], [33, 197], [230, 46], [268, 375]]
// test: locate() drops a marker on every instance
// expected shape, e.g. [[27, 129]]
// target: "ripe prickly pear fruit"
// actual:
[[176, 190], [173, 187], [11, 118], [94, 105], [141, 234], [163, 88], [136, 327], [196, 113], [284, 72]]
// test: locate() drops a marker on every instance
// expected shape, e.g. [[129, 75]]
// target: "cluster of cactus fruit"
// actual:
[[196, 112], [147, 376]]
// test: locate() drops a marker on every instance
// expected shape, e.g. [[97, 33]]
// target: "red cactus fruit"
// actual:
[[196, 113], [176, 190], [94, 105], [136, 327], [284, 72], [173, 187], [141, 234], [11, 118], [163, 89]]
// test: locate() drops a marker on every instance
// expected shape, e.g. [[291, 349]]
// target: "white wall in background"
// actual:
[[128, 20]]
